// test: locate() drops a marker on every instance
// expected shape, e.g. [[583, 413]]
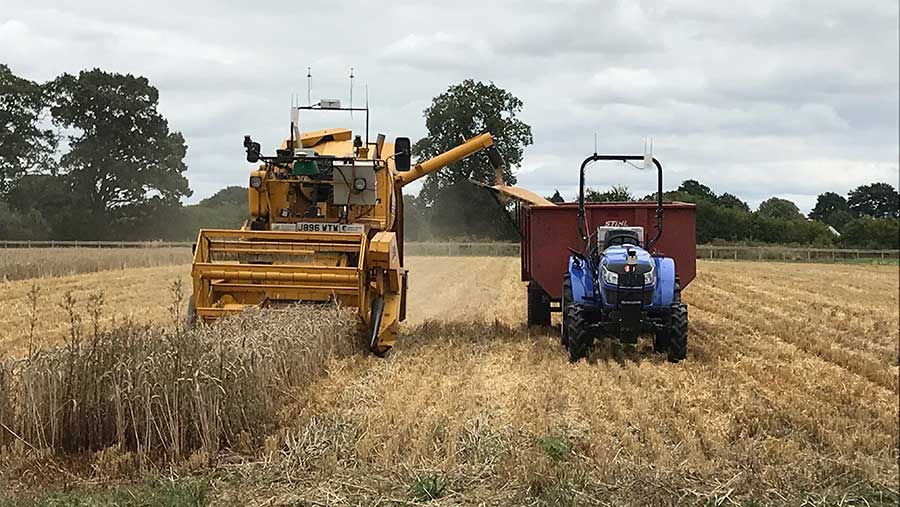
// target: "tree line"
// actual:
[[450, 207], [866, 218], [90, 156]]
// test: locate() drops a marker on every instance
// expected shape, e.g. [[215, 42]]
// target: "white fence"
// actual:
[[93, 244], [759, 253]]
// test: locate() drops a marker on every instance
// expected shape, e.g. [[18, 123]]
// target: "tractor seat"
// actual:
[[621, 237]]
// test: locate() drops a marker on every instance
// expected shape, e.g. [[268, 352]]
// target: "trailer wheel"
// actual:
[[661, 341], [678, 333], [580, 338], [538, 306], [563, 305]]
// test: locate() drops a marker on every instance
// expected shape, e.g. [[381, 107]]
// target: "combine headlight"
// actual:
[[650, 276], [255, 181], [359, 184], [610, 277]]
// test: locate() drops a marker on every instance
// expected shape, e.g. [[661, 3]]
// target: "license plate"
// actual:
[[320, 227]]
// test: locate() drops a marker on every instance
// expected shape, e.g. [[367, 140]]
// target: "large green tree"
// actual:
[[26, 145], [832, 209], [879, 200], [123, 161], [50, 196], [869, 232], [776, 207], [731, 201], [697, 189], [464, 111]]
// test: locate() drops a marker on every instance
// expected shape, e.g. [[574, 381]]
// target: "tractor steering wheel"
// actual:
[[620, 238]]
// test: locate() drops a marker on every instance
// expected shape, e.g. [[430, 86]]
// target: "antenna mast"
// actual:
[[351, 92], [308, 86]]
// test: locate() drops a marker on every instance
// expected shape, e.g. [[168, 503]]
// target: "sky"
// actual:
[[759, 99]]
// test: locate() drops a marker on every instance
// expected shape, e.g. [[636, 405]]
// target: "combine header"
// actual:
[[326, 224]]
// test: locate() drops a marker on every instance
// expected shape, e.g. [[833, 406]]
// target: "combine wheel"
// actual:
[[580, 338], [563, 305], [190, 320], [377, 312], [538, 306]]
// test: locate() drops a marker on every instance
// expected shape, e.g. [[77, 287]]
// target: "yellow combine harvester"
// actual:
[[326, 223]]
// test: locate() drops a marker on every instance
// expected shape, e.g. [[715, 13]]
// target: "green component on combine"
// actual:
[[305, 167]]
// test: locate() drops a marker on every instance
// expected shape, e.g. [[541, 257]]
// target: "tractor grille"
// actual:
[[631, 279], [617, 297]]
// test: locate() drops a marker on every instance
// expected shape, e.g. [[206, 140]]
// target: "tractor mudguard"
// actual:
[[665, 282], [582, 283]]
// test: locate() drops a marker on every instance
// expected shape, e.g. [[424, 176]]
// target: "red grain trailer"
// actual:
[[548, 232]]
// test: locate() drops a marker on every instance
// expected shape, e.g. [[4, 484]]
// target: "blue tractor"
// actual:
[[619, 287]]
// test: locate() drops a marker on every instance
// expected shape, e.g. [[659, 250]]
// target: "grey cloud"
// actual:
[[773, 98]]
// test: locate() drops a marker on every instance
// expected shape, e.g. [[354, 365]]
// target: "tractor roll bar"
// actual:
[[582, 225]]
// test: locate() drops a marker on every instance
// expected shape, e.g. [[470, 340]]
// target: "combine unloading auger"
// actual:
[[326, 224]]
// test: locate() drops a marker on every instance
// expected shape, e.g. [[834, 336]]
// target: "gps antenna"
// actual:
[[351, 93], [308, 86]]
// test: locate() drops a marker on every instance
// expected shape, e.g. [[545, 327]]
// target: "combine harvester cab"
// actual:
[[326, 224]]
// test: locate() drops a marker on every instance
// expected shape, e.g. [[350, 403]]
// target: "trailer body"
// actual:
[[548, 232]]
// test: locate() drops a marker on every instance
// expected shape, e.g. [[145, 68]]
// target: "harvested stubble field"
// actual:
[[789, 396], [23, 263]]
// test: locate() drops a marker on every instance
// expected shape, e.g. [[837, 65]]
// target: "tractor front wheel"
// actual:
[[580, 339], [678, 333]]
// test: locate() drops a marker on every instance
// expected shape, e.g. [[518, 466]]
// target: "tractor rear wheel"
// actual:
[[678, 333], [563, 305], [580, 338], [661, 337], [538, 306]]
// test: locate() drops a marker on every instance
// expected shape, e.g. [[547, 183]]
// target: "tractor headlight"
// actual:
[[650, 276], [610, 277], [255, 181]]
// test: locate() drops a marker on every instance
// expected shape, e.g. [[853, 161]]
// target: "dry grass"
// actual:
[[141, 396], [24, 263], [789, 396]]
